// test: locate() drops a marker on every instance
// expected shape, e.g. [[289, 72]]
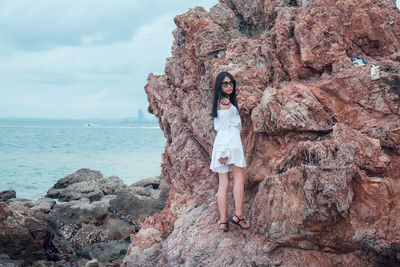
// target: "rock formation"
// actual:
[[321, 137], [93, 219]]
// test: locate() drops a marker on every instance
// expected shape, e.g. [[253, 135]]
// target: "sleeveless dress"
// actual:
[[227, 143]]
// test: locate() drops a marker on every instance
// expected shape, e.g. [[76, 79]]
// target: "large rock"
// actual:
[[78, 176], [107, 252], [150, 188], [321, 137], [71, 216], [130, 208], [44, 205], [29, 236], [85, 183]]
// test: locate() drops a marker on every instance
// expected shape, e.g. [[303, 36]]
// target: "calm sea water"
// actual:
[[34, 154]]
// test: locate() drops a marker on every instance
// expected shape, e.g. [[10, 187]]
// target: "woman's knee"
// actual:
[[237, 170], [223, 183]]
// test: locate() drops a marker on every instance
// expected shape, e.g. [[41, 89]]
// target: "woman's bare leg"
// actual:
[[238, 193], [222, 197]]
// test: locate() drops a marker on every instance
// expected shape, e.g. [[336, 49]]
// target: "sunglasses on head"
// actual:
[[226, 84]]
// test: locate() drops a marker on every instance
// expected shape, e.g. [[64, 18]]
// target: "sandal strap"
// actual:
[[239, 220], [223, 223]]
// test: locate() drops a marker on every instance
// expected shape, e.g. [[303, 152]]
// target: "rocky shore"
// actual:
[[84, 220]]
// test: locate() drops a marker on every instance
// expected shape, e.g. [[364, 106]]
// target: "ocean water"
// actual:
[[34, 153]]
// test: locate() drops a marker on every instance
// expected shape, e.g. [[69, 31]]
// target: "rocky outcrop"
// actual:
[[321, 135], [29, 236], [92, 220], [85, 183]]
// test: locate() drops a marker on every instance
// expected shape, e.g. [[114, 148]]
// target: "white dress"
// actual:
[[227, 142]]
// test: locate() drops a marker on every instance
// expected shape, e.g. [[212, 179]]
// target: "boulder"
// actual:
[[85, 183], [134, 210], [78, 176], [43, 204], [28, 235], [6, 195], [151, 188], [107, 252], [21, 202], [71, 216]]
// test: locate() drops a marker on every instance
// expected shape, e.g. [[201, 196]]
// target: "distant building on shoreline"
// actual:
[[140, 117]]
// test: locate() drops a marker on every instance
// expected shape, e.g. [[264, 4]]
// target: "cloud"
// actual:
[[43, 24], [72, 59]]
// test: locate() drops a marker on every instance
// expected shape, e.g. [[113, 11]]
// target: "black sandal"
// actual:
[[227, 226], [238, 222]]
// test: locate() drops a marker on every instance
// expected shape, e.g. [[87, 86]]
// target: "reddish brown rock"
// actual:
[[27, 235], [321, 138]]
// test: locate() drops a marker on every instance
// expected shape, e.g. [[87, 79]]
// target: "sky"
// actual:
[[83, 59]]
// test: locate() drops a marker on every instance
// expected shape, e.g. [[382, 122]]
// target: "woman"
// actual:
[[227, 155]]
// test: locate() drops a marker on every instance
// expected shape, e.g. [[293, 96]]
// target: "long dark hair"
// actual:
[[218, 94]]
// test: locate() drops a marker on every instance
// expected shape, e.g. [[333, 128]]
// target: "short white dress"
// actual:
[[227, 143]]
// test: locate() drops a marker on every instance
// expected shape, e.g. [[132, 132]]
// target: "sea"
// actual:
[[35, 153]]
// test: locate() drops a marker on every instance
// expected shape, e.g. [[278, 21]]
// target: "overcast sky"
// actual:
[[83, 59]]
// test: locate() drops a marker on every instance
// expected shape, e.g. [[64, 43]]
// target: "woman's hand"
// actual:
[[241, 105], [223, 160]]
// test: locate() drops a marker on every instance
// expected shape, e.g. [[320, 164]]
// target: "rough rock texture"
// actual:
[[85, 183], [29, 236], [47, 233], [321, 138]]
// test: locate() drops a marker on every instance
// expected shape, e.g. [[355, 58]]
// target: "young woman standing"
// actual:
[[227, 155]]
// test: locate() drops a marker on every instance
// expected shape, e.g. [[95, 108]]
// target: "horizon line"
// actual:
[[80, 119]]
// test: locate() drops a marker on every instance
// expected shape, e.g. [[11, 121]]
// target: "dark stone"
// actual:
[[107, 252], [6, 195], [5, 261], [133, 210]]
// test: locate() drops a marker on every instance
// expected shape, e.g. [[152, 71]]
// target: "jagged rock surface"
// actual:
[[95, 222], [321, 138], [28, 235]]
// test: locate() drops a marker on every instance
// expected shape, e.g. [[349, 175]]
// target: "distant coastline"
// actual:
[[130, 120]]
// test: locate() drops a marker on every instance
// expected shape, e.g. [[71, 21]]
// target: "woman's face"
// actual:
[[227, 86]]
